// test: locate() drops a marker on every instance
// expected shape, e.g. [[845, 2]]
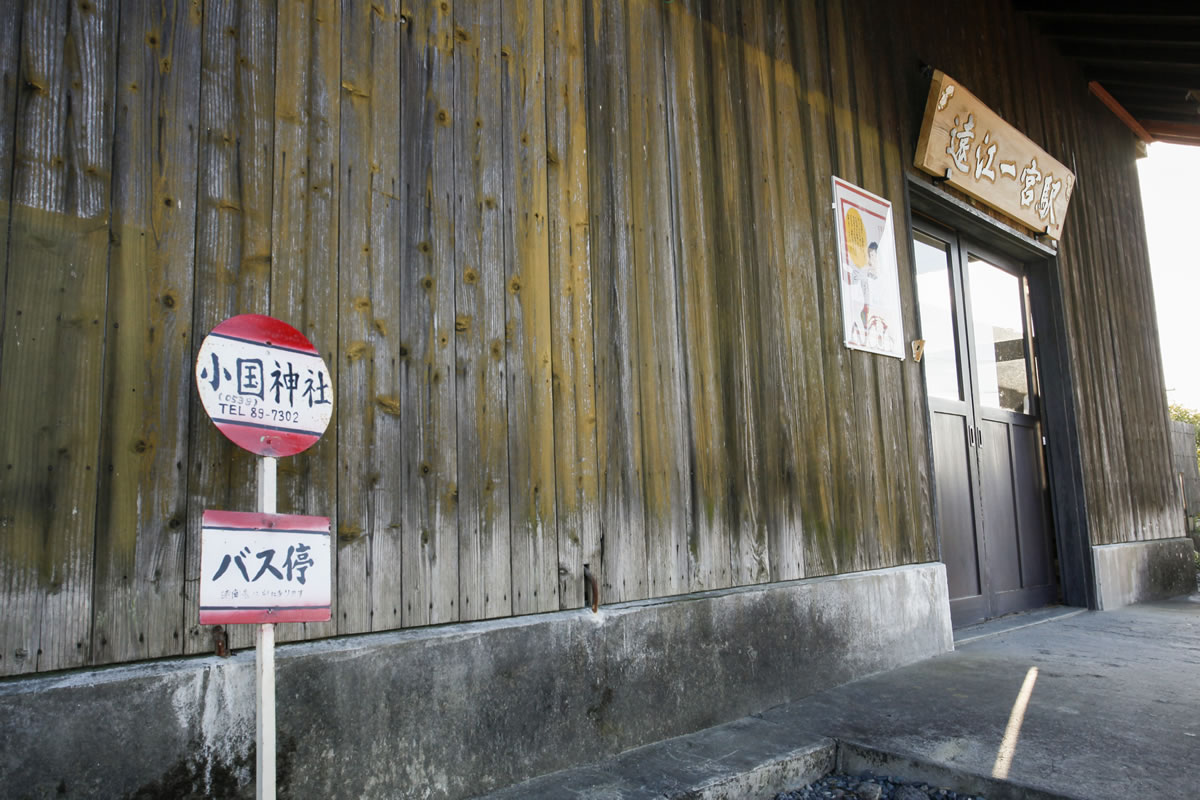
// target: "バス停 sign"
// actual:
[[264, 385], [264, 568]]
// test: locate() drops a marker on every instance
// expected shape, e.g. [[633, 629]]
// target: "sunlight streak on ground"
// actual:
[[1008, 745]]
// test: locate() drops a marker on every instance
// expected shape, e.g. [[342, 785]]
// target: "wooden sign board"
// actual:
[[969, 145]]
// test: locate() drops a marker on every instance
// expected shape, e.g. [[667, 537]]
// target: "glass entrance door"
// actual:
[[990, 478]]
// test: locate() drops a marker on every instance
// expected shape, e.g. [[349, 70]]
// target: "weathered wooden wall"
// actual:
[[570, 263], [1119, 394]]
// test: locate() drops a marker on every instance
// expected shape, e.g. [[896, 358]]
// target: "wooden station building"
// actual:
[[576, 270]]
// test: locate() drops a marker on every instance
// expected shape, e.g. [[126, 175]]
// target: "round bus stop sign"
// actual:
[[264, 385]]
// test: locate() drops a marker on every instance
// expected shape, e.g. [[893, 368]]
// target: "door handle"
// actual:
[[970, 436], [979, 437]]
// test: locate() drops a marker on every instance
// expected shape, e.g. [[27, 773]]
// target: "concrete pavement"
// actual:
[[1057, 703]]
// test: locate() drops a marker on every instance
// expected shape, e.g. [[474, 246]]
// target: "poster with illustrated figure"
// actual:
[[871, 318]]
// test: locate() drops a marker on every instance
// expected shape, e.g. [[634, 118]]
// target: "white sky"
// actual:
[[1170, 178]]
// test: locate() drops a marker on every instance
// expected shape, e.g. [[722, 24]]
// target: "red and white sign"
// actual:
[[264, 568], [264, 385]]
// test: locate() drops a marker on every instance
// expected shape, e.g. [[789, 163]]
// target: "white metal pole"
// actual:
[[264, 661], [266, 485], [265, 689]]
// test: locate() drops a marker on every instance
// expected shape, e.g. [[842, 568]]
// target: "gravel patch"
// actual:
[[870, 787]]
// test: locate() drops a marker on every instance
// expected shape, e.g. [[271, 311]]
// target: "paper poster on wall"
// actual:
[[871, 317]]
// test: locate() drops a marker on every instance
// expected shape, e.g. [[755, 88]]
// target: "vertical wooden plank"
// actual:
[[141, 526], [618, 388], [361, 423], [10, 64], [1138, 367], [738, 290], [828, 550], [12, 635], [304, 266], [980, 49], [783, 415], [1117, 482], [660, 347], [862, 413], [1106, 487], [233, 251], [1112, 272], [574, 399], [50, 372], [1023, 39], [531, 442], [1090, 350], [694, 194], [385, 243], [481, 194], [883, 373], [429, 454], [909, 35], [1108, 484], [1005, 25], [369, 500], [918, 542], [1142, 414], [799, 296], [10, 51]]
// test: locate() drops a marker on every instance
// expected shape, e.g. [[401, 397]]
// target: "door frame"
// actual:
[[1001, 552], [1064, 465]]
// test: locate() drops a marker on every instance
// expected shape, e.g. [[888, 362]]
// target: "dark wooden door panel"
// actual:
[[999, 514], [1036, 538], [956, 512]]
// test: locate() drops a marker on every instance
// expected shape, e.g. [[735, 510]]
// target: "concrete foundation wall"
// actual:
[[1140, 571], [453, 711]]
